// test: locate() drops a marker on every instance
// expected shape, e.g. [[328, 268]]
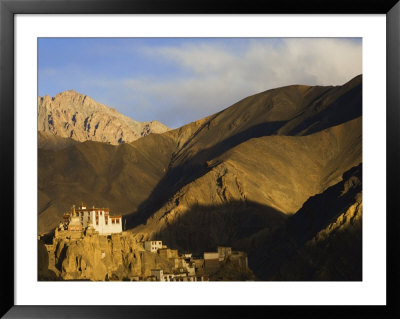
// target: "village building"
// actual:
[[239, 258], [224, 253], [190, 267], [199, 265], [153, 246], [181, 275], [211, 262], [158, 273], [214, 260], [82, 222], [168, 253]]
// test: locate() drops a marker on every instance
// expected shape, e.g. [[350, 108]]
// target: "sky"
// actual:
[[180, 80]]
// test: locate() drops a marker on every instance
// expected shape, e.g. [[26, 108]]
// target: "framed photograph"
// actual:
[[159, 155]]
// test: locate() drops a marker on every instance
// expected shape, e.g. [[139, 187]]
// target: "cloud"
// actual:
[[199, 78], [216, 76]]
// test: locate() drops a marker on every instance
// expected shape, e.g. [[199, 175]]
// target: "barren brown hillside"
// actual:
[[322, 241], [256, 162], [257, 183], [100, 174]]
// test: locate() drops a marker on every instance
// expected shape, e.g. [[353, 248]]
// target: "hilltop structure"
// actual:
[[153, 245], [89, 244], [90, 219]]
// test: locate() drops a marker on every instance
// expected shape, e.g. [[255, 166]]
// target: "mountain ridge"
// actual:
[[73, 115], [242, 154], [247, 119]]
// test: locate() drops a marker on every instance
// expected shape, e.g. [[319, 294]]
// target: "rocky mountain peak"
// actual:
[[71, 114]]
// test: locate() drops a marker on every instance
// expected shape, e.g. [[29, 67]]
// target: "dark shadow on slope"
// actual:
[[44, 273], [283, 255], [195, 167], [203, 228], [335, 258], [320, 210], [343, 105], [327, 113]]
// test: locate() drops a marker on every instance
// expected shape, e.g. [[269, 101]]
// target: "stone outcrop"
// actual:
[[96, 257], [99, 258], [322, 241], [73, 115]]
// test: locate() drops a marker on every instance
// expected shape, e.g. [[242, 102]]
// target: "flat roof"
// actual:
[[91, 209]]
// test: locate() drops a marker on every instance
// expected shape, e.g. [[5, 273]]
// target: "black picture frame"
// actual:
[[8, 8]]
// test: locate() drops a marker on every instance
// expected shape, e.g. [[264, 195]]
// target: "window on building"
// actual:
[[101, 213], [97, 222], [118, 221], [106, 222], [112, 221]]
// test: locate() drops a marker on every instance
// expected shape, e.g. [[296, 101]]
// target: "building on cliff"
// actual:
[[100, 219], [153, 245], [160, 275], [214, 260]]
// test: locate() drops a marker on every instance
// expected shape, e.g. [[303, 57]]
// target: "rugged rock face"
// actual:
[[98, 258], [73, 115], [322, 241], [89, 256]]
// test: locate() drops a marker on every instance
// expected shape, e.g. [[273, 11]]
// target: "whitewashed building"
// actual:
[[153, 245], [159, 274], [100, 218]]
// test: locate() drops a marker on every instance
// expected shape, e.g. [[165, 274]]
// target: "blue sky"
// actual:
[[180, 80]]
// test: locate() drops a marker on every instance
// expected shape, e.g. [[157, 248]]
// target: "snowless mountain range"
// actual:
[[277, 174]]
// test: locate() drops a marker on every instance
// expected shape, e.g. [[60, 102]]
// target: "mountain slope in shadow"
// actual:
[[275, 148], [280, 172], [204, 227], [288, 111], [119, 177], [322, 241]]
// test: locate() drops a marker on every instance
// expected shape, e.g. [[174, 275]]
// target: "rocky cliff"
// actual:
[[322, 241], [98, 258], [76, 116]]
